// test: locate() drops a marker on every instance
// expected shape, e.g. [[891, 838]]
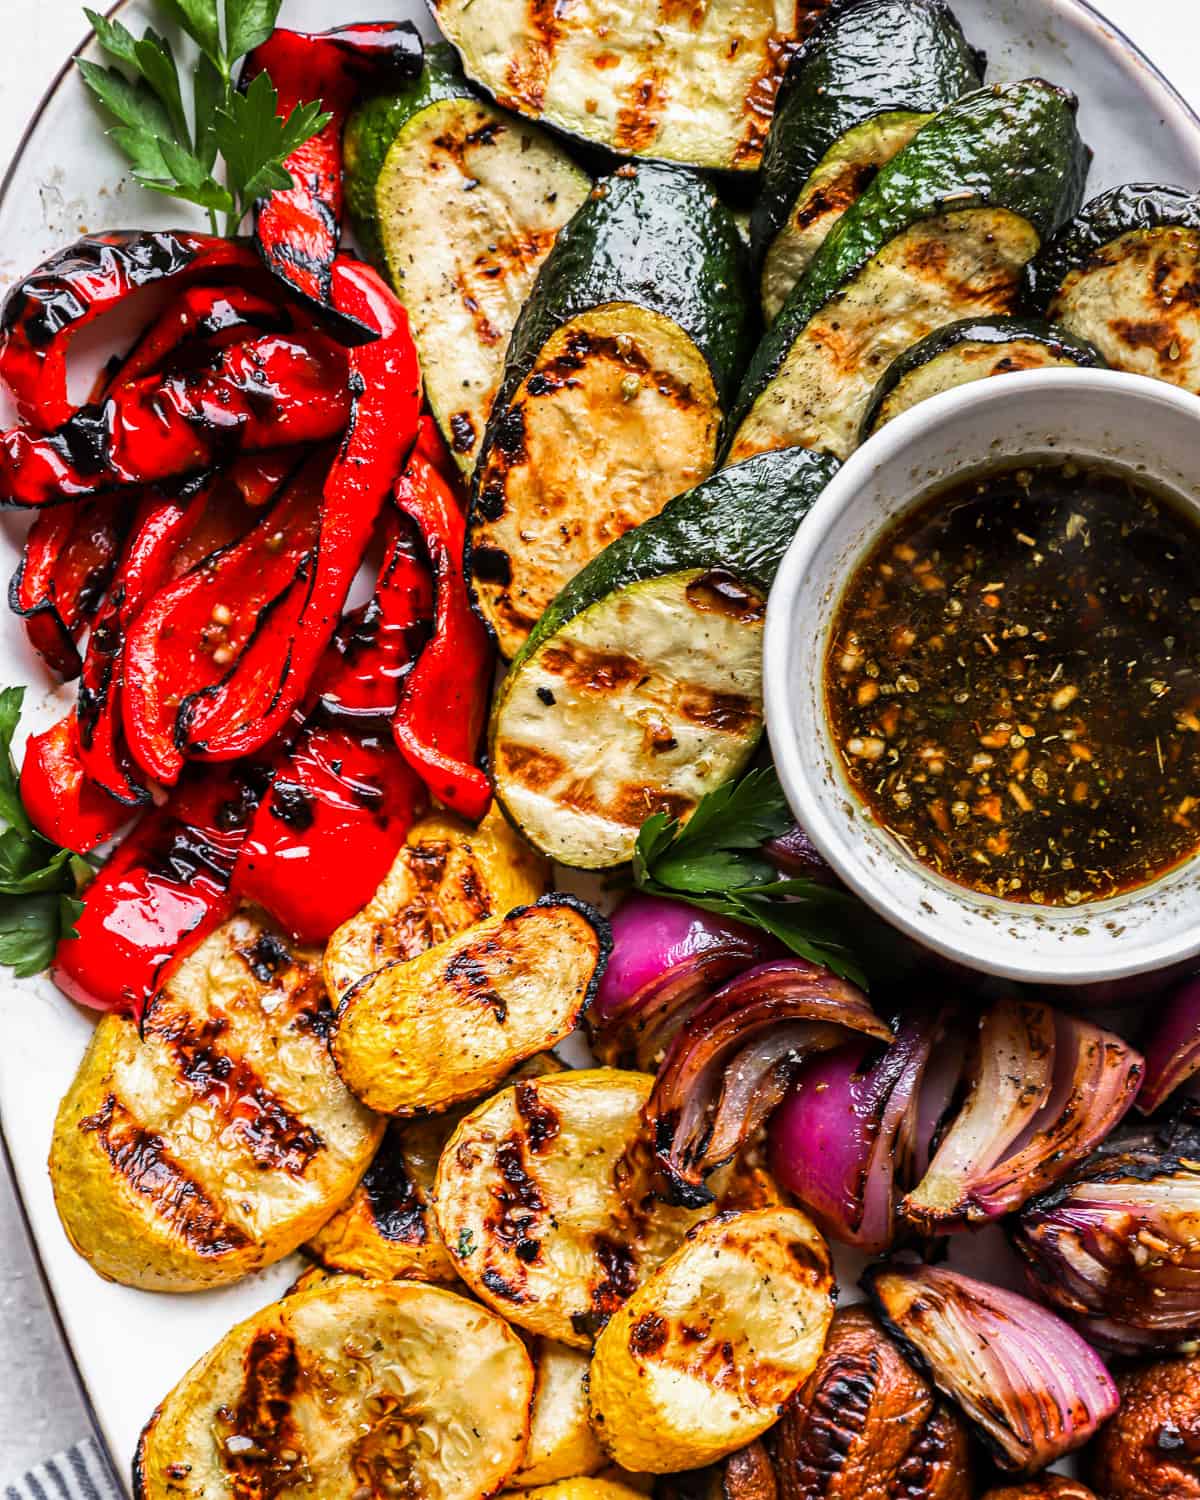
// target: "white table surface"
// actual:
[[40, 1408]]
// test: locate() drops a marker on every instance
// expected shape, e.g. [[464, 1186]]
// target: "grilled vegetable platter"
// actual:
[[406, 829]]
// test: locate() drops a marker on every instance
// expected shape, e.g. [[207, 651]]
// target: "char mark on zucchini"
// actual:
[[871, 74], [1125, 273], [618, 374]]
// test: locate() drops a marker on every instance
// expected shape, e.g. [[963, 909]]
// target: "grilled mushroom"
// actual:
[[747, 1474], [1047, 1487], [1151, 1449]]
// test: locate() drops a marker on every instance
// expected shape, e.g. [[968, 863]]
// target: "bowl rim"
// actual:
[[796, 759]]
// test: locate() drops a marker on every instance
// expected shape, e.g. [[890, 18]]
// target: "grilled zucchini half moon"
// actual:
[[640, 688], [221, 1138], [352, 1388], [423, 1034], [544, 1199], [942, 233], [872, 73], [686, 83], [1126, 275], [975, 349], [562, 1444], [701, 1358], [615, 385], [462, 202], [446, 878]]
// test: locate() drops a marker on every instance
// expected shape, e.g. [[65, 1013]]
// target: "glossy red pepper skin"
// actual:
[[42, 313], [200, 319], [62, 802], [298, 229], [161, 892], [273, 677], [440, 719], [265, 392], [69, 556]]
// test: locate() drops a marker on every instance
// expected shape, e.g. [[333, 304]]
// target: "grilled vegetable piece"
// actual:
[[1148, 1450], [640, 688], [562, 1444], [585, 1488], [448, 877], [544, 1199], [1125, 273], [699, 1360], [618, 374], [974, 349], [462, 202], [871, 74], [747, 1474], [343, 1388], [222, 1138], [941, 234], [422, 1034], [664, 81]]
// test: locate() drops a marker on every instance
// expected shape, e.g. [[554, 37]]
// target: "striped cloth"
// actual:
[[81, 1473]]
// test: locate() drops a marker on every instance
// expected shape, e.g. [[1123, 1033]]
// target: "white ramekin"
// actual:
[[1144, 425]]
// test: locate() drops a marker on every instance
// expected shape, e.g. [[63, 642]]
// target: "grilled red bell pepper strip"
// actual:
[[41, 314], [207, 317], [297, 229], [62, 802], [69, 555], [189, 638], [263, 393], [160, 893], [326, 832], [441, 715], [258, 476], [255, 702]]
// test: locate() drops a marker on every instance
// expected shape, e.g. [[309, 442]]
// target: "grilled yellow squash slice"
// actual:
[[584, 1489], [700, 1359], [221, 1138], [354, 1388], [447, 877], [543, 1199], [452, 1023], [562, 1444]]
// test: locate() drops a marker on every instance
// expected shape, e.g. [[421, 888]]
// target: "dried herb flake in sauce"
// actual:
[[1014, 682]]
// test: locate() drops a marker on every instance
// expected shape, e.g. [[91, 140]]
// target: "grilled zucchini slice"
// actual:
[[1126, 275], [447, 877], [687, 83], [352, 1388], [221, 1138], [975, 349], [423, 1034], [640, 689], [544, 1199], [462, 201], [943, 233], [866, 80], [616, 380], [700, 1359], [562, 1444]]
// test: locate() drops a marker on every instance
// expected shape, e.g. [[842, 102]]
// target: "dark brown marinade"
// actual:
[[1014, 683]]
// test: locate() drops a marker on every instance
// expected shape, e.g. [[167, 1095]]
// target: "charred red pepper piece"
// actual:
[[441, 715], [272, 677], [68, 558], [191, 636], [206, 317], [63, 804], [41, 314], [263, 393], [327, 831], [163, 890], [297, 229]]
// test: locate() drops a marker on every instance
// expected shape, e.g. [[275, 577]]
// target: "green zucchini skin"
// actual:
[[1136, 205], [377, 122], [1015, 148], [658, 236], [1063, 346], [864, 58], [741, 519]]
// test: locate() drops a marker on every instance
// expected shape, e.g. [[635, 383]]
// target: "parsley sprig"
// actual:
[[177, 155], [38, 882], [714, 861]]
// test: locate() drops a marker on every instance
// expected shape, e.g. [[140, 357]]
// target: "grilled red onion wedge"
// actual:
[[1173, 1050]]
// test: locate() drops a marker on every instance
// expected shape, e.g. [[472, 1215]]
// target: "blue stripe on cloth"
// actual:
[[81, 1473]]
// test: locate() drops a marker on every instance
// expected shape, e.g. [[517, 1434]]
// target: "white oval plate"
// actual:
[[129, 1346]]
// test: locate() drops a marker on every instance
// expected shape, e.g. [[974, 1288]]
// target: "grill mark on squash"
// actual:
[[180, 1203], [517, 1203], [836, 194], [467, 974], [724, 713], [719, 592], [528, 77], [262, 1451], [533, 768], [541, 1120], [638, 120], [758, 108], [392, 1197]]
